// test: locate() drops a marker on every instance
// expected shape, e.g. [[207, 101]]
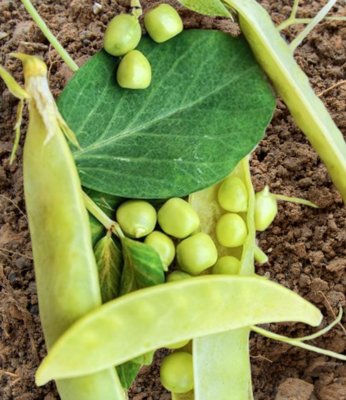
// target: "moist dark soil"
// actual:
[[306, 247]]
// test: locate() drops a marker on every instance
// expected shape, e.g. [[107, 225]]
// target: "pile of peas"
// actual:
[[123, 35], [174, 233]]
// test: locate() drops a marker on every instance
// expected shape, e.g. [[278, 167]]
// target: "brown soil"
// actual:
[[306, 247]]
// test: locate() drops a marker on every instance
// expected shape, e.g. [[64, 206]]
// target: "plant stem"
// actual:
[[323, 331], [297, 41], [259, 255], [96, 211], [136, 8], [294, 200], [48, 34], [298, 343]]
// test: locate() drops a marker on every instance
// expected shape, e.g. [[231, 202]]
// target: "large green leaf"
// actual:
[[207, 107]]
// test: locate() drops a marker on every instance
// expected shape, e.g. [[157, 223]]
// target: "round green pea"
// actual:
[[232, 195], [163, 245], [176, 372], [122, 35], [137, 218], [163, 23], [226, 265], [266, 209], [134, 71], [178, 345], [196, 253], [177, 218], [231, 230], [176, 276]]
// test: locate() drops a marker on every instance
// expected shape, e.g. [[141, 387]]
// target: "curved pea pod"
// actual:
[[139, 322], [65, 267], [290, 82]]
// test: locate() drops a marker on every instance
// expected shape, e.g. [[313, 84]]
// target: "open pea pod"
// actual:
[[221, 361], [156, 317]]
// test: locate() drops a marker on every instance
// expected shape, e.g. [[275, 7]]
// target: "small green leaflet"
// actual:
[[207, 7], [208, 106], [128, 371], [142, 267], [109, 261]]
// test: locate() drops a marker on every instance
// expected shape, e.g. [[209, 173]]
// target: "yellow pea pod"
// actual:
[[65, 267], [135, 324]]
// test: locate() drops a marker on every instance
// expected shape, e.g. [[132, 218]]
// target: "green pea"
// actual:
[[122, 35], [177, 218], [232, 195], [176, 276], [163, 245], [177, 372], [163, 23], [134, 71], [137, 218], [196, 253], [178, 345], [231, 230], [266, 209], [226, 265]]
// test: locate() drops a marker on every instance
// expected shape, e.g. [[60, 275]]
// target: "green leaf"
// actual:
[[142, 267], [207, 107], [207, 7], [108, 204], [128, 371], [109, 263]]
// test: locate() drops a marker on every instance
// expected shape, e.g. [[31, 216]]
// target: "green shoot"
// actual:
[[297, 41], [96, 211], [48, 34]]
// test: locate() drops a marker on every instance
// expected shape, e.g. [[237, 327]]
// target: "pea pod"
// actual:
[[222, 366], [65, 266], [140, 322], [290, 82]]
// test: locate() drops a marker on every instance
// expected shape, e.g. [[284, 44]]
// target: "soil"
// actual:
[[306, 246]]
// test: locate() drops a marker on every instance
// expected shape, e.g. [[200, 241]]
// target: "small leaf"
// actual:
[[109, 263], [128, 371], [142, 267], [207, 7]]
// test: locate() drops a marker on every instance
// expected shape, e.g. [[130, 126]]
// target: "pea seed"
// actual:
[[266, 209], [178, 345], [163, 23], [226, 265], [122, 35], [176, 276], [177, 372], [231, 230], [177, 218], [163, 245], [134, 71], [196, 253], [137, 218], [232, 195]]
